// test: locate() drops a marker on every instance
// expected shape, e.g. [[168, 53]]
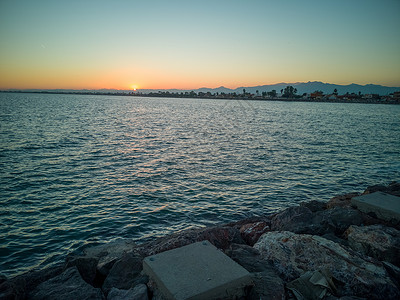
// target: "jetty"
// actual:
[[347, 247]]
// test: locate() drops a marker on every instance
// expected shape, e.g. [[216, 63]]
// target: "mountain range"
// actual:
[[302, 87], [309, 87]]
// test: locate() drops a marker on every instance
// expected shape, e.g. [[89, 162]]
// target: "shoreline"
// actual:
[[239, 98], [359, 250]]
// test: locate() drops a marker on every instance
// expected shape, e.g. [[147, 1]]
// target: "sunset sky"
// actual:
[[192, 44]]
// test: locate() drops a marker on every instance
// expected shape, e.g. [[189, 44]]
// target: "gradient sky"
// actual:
[[192, 44]]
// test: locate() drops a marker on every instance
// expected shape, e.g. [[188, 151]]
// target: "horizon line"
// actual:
[[203, 87]]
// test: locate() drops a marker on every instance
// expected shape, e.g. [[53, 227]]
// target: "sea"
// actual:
[[81, 170]]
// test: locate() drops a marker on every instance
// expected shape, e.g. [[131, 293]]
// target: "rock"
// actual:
[[113, 249], [267, 284], [393, 189], [19, 286], [297, 219], [86, 266], [294, 254], [266, 287], [335, 220], [341, 201], [249, 220], [13, 289], [251, 232], [332, 237], [248, 257], [124, 273], [220, 237], [68, 285], [393, 271], [330, 297], [108, 254], [301, 219], [138, 292], [314, 205], [378, 241]]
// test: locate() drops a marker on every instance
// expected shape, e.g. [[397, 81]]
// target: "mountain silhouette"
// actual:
[[302, 87]]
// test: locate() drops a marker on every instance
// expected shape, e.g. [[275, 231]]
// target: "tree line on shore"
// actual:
[[288, 92]]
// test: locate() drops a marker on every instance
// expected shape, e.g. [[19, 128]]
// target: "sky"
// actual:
[[191, 44]]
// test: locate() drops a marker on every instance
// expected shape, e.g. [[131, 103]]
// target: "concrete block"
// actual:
[[385, 206], [196, 271]]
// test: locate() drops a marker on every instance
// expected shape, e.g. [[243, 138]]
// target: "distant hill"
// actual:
[[302, 87], [327, 88]]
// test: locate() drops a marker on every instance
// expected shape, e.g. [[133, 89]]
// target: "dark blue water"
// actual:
[[84, 169]]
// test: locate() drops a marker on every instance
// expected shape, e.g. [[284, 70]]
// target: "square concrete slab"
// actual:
[[385, 206], [196, 271]]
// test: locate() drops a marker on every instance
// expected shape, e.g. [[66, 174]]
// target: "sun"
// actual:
[[134, 87]]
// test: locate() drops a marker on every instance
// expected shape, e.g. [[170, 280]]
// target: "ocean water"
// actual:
[[79, 169]]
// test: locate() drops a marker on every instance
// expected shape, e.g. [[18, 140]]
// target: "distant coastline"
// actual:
[[350, 98]]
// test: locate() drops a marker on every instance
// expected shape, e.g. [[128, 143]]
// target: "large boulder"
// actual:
[[378, 241], [267, 283], [68, 285], [336, 220], [125, 273], [20, 286], [301, 219], [393, 189], [251, 232], [138, 292], [314, 205], [341, 201], [294, 254], [296, 219], [107, 254], [85, 265], [220, 236]]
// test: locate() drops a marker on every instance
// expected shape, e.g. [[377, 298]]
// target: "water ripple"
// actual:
[[79, 170]]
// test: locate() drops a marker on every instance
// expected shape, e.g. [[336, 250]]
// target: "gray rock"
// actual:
[[393, 189], [297, 219], [220, 236], [266, 286], [68, 285], [108, 254], [249, 220], [267, 283], [20, 286], [125, 273], [332, 237], [3, 278], [341, 201], [314, 205], [294, 254], [251, 232], [85, 265], [335, 220], [13, 289], [138, 292], [301, 219], [393, 271], [378, 241]]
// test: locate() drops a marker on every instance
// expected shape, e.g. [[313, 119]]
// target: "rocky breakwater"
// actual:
[[318, 250]]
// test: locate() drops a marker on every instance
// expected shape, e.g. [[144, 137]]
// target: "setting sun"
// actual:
[[134, 87]]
